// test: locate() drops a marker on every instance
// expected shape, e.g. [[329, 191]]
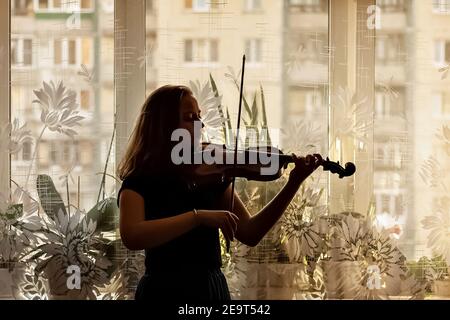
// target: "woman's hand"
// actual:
[[225, 220], [304, 166]]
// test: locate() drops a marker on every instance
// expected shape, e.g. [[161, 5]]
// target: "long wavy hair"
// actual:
[[150, 144]]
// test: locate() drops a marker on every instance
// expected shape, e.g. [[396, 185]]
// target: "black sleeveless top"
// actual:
[[167, 196]]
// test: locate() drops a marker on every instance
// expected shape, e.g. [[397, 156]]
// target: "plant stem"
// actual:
[[68, 197], [34, 157], [102, 185]]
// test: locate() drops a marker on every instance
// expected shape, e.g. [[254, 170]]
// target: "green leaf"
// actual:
[[51, 200], [105, 214], [14, 211], [264, 116], [254, 116]]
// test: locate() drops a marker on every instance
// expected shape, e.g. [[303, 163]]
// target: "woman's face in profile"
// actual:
[[190, 119]]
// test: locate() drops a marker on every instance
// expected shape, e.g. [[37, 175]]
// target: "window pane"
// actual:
[[411, 122], [66, 102]]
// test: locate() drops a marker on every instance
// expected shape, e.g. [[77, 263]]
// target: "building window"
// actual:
[[390, 204], [43, 153], [201, 50], [85, 100], [252, 5], [54, 152], [387, 106], [441, 52], [200, 5], [309, 47], [441, 104], [21, 52], [86, 156], [390, 48], [441, 6], [22, 7], [253, 50], [26, 151], [391, 5], [389, 154], [61, 6], [308, 5], [305, 101], [66, 151], [72, 52]]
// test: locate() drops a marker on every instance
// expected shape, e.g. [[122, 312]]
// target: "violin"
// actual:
[[215, 164]]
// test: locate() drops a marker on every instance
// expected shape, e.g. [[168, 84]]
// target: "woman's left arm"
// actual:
[[251, 229]]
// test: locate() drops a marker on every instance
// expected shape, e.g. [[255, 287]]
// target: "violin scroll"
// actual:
[[335, 167]]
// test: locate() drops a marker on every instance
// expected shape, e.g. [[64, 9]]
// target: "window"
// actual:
[[72, 52], [22, 7], [252, 5], [63, 6], [66, 152], [308, 5], [86, 155], [253, 50], [389, 154], [274, 39], [308, 47], [392, 5], [441, 52], [390, 48], [200, 5], [441, 104], [21, 52], [201, 50], [389, 106], [389, 204], [26, 151], [305, 101], [44, 154], [441, 6], [55, 155], [85, 100]]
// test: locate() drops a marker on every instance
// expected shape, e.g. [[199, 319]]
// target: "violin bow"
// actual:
[[241, 90]]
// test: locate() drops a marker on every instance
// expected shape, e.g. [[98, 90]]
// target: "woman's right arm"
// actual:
[[138, 233]]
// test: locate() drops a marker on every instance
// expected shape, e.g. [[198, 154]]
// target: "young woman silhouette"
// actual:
[[177, 227]]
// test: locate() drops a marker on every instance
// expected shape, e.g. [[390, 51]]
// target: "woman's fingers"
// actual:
[[319, 159]]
